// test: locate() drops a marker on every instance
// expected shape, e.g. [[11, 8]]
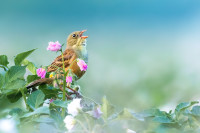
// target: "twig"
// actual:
[[75, 92]]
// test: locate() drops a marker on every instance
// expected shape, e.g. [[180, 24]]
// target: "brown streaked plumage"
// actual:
[[76, 48]]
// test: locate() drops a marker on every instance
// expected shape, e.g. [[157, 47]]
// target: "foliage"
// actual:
[[46, 108]]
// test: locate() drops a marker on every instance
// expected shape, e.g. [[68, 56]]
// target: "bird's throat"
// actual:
[[83, 54]]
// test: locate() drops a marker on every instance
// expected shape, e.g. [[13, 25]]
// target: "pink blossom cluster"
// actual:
[[54, 46], [69, 79], [41, 72], [81, 63]]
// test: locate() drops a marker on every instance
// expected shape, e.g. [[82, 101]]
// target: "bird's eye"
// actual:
[[74, 35]]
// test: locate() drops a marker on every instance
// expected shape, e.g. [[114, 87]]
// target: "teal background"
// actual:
[[142, 54]]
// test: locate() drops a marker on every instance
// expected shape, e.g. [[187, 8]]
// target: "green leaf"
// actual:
[[15, 72], [4, 60], [168, 128], [31, 78], [1, 81], [16, 111], [44, 119], [196, 110], [56, 116], [41, 110], [20, 57], [14, 81], [107, 109], [14, 85], [12, 90], [49, 91], [185, 105], [152, 112], [31, 67], [47, 128], [128, 114], [163, 119], [59, 103], [14, 78], [14, 96], [35, 99], [125, 114]]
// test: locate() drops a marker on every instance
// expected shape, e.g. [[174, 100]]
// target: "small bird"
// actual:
[[76, 48]]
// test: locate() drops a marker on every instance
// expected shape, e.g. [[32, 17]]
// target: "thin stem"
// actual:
[[81, 124], [4, 67], [88, 123], [90, 99], [68, 97], [24, 97], [95, 129], [64, 84]]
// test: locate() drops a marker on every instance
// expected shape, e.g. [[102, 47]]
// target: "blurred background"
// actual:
[[142, 54]]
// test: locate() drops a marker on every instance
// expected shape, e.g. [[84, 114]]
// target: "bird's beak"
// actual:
[[84, 37], [81, 34]]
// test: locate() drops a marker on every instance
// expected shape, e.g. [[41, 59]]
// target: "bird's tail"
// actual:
[[39, 82]]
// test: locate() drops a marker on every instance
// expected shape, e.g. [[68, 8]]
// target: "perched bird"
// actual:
[[76, 48]]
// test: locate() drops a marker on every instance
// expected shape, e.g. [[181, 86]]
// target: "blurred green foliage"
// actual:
[[142, 54]]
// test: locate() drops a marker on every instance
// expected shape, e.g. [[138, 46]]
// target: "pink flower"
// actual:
[[41, 72], [82, 64], [68, 79], [54, 46]]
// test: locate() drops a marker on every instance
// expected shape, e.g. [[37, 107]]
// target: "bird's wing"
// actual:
[[69, 57]]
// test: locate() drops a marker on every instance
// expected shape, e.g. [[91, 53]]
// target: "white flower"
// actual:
[[46, 103], [130, 131], [74, 107], [8, 126], [69, 122], [97, 112]]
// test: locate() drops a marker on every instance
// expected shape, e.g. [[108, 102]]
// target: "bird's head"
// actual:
[[76, 40]]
